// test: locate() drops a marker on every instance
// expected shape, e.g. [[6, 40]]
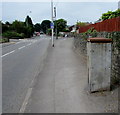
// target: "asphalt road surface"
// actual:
[[21, 63]]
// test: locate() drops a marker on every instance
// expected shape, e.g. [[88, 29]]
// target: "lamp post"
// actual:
[[52, 22], [55, 22]]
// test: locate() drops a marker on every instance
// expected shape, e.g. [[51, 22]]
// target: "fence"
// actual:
[[109, 25]]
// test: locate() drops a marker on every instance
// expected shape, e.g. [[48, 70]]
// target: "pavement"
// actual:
[[62, 85]]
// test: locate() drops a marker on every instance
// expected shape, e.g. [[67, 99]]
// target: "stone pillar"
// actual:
[[99, 63]]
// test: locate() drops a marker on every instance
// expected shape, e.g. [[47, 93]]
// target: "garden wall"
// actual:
[[108, 25], [80, 43]]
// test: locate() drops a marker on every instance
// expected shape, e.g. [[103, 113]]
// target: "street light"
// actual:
[[52, 22]]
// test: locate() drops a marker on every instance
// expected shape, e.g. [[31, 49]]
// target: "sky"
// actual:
[[70, 11]]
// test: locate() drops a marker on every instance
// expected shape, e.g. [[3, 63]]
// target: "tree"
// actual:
[[0, 27], [106, 15], [61, 25], [28, 21], [18, 26], [45, 25], [37, 27], [110, 14], [6, 26], [81, 24], [29, 25], [22, 28]]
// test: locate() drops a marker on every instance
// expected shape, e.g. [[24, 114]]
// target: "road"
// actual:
[[21, 63]]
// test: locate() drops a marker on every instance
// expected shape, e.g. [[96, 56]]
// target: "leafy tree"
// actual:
[[37, 27], [5, 27], [28, 21], [110, 14], [7, 23], [61, 25], [106, 15], [0, 27], [45, 25], [81, 24], [18, 26], [49, 31], [29, 25]]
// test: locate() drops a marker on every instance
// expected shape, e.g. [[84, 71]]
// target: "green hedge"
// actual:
[[3, 40], [10, 34]]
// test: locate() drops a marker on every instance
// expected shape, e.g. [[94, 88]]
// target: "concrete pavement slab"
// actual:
[[61, 87]]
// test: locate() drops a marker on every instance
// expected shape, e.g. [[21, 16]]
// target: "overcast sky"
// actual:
[[70, 11]]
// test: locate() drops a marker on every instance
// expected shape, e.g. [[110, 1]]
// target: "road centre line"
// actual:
[[29, 44], [14, 50], [18, 48], [8, 53], [22, 47]]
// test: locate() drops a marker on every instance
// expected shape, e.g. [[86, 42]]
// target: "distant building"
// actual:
[[100, 20], [119, 5]]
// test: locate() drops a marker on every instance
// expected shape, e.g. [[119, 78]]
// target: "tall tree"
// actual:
[[18, 26], [37, 27], [28, 21], [45, 25], [61, 25], [29, 25], [5, 27]]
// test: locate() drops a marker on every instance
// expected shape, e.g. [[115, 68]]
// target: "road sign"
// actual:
[[51, 25]]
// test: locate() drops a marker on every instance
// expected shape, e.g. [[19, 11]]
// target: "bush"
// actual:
[[10, 34], [3, 40], [89, 33], [110, 14]]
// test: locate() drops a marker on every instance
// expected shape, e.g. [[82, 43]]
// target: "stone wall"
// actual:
[[115, 58], [80, 44]]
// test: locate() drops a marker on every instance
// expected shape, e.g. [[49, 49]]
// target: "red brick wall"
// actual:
[[109, 25]]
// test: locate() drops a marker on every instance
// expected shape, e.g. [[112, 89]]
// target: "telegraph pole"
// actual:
[[55, 22], [52, 26]]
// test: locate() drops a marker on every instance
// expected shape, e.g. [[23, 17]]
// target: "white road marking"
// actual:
[[28, 44], [18, 42], [8, 53], [19, 48], [22, 109], [22, 47]]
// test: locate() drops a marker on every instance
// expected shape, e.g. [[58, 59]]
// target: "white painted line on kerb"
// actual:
[[8, 53], [22, 47]]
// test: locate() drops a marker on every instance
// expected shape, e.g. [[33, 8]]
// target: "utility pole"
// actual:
[[52, 22], [55, 22]]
